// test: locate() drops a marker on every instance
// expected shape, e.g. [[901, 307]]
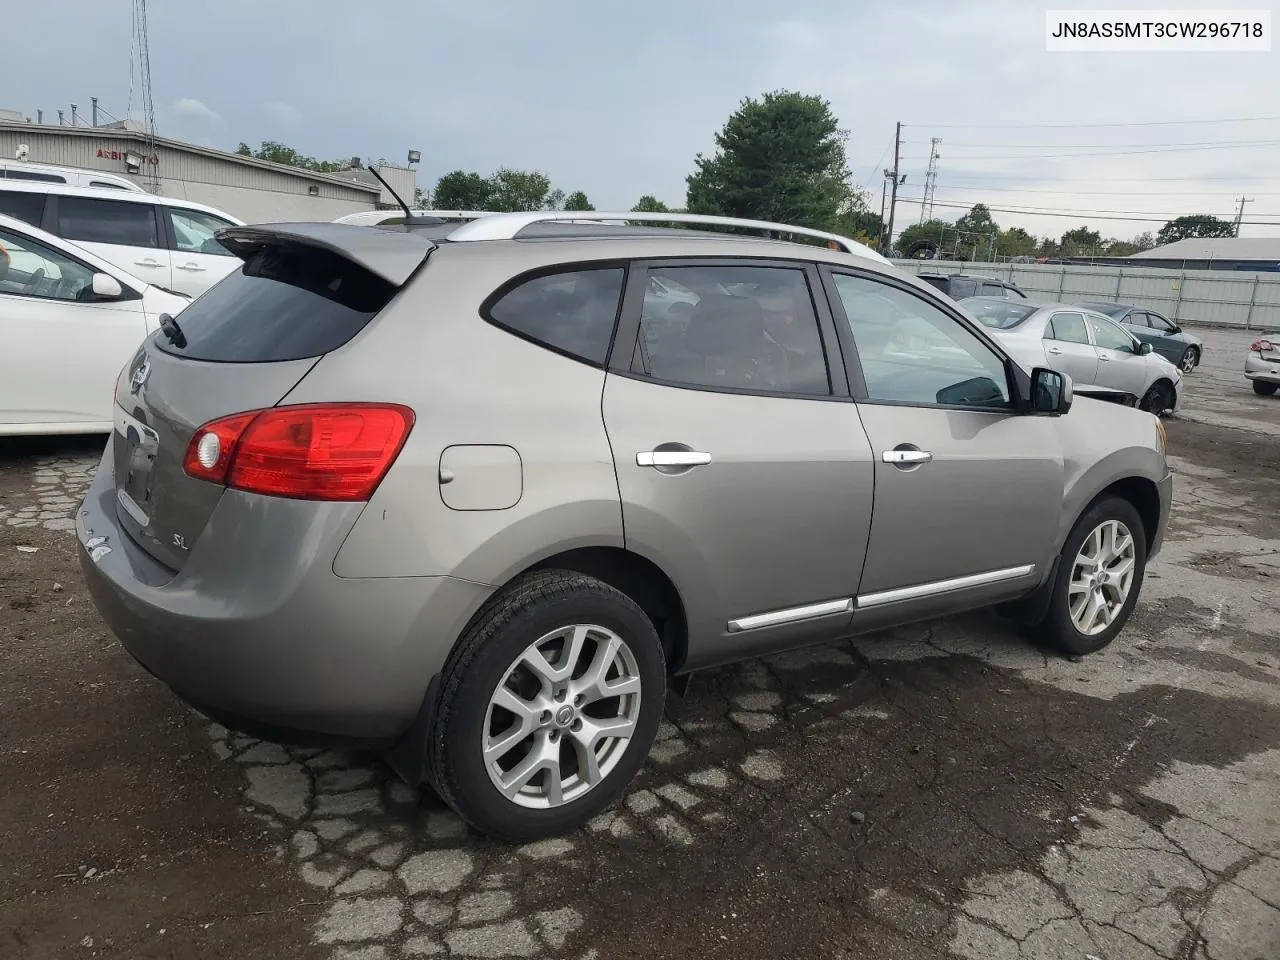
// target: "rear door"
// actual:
[[248, 341], [125, 233], [1067, 346], [1119, 367], [199, 260], [743, 469], [968, 493], [60, 348]]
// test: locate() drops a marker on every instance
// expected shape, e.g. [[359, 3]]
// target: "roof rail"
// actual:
[[507, 226]]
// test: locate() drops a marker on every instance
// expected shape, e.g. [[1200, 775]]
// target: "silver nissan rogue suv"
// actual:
[[476, 493]]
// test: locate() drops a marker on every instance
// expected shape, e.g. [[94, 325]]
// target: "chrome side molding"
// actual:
[[936, 587], [776, 618]]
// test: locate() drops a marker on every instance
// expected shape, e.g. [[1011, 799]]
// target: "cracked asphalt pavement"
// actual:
[[941, 791]]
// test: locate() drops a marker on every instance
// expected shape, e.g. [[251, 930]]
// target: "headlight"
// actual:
[[1160, 434]]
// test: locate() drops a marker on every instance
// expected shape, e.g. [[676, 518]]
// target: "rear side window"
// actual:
[[284, 303], [1067, 327], [961, 288], [32, 175], [107, 221], [994, 290], [28, 207], [572, 312]]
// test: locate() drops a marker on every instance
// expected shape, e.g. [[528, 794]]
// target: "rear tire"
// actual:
[[1101, 568], [1264, 389], [1190, 360], [527, 687], [1158, 398]]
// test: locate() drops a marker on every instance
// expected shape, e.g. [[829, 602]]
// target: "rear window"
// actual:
[[999, 314], [28, 207], [939, 282], [284, 303], [961, 288], [107, 221], [571, 312]]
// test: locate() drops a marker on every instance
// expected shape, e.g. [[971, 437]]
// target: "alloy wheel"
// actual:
[[1101, 577], [562, 717], [1189, 360]]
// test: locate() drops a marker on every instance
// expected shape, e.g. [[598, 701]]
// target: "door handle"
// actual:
[[906, 456], [1104, 358], [147, 263], [194, 268], [1054, 350], [672, 458]]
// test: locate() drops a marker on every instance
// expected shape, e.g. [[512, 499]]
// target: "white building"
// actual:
[[256, 191]]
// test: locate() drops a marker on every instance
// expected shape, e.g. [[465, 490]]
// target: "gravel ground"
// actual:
[[942, 791]]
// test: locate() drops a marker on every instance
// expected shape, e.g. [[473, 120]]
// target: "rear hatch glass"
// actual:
[[284, 303], [248, 341]]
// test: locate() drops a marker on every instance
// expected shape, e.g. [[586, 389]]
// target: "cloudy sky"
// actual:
[[616, 98]]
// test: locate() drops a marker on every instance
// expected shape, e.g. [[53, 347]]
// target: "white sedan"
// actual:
[[69, 322]]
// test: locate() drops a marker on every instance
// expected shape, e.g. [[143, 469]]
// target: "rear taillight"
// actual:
[[320, 451], [1262, 346]]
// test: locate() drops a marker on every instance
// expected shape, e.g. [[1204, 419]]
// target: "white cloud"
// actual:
[[282, 114], [190, 109]]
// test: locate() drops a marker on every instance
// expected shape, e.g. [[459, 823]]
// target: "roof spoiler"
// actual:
[[390, 255]]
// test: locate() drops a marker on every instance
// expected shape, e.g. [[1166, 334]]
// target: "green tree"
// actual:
[[462, 190], [518, 190], [1195, 225], [780, 158], [1015, 242], [976, 231], [650, 204], [280, 153], [1144, 241], [1080, 242], [577, 201], [933, 233]]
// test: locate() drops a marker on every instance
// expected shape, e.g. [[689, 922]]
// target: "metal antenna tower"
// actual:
[[930, 180], [143, 51]]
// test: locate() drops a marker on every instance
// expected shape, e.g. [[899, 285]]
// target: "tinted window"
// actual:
[[999, 315], [961, 288], [738, 328], [107, 221], [1159, 323], [1110, 337], [31, 269], [993, 290], [913, 352], [572, 312], [1068, 327], [282, 304], [193, 232], [109, 186], [939, 282], [28, 207], [32, 175]]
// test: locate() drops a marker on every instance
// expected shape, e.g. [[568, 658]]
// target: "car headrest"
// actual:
[[723, 324]]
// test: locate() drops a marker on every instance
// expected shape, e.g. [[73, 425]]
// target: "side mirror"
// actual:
[[1050, 392], [106, 286], [1144, 348]]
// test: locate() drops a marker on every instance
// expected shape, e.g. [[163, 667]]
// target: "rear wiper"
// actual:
[[173, 333]]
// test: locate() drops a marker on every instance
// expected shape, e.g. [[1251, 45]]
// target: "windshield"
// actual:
[[999, 314]]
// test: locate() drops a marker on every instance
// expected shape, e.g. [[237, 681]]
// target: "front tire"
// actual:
[[1190, 360], [1264, 389], [548, 706], [1099, 578], [1159, 398]]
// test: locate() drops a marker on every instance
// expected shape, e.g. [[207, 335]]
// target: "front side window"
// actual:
[[107, 221], [1110, 337], [912, 352], [733, 327], [193, 232], [1067, 327], [1138, 319], [571, 312], [31, 269], [1163, 324]]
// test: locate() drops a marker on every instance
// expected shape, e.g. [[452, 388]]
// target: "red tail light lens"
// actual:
[[337, 451], [1262, 346]]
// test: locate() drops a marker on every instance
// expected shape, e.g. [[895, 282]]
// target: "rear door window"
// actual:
[[281, 304], [28, 207], [108, 221], [572, 312], [1067, 327]]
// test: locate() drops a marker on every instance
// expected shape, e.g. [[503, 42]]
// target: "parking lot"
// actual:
[[943, 791]]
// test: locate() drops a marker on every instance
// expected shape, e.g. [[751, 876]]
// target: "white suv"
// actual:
[[71, 176], [168, 243]]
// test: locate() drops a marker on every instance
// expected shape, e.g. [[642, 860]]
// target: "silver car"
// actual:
[[468, 498], [1262, 364], [1091, 348]]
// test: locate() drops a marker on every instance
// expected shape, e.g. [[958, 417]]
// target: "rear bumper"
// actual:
[[1255, 368], [258, 631]]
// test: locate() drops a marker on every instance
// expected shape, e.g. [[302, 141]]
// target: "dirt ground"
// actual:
[[944, 791]]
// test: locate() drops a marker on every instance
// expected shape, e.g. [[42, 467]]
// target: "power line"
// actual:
[[1084, 126], [1205, 179], [1080, 214], [978, 188], [1239, 145]]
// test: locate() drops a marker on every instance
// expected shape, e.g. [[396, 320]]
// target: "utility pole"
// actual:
[[1240, 214], [930, 179], [893, 196], [884, 185], [94, 101]]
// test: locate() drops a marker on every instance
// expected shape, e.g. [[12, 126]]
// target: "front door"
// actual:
[[742, 472], [199, 260], [968, 493], [1119, 366], [1067, 347]]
